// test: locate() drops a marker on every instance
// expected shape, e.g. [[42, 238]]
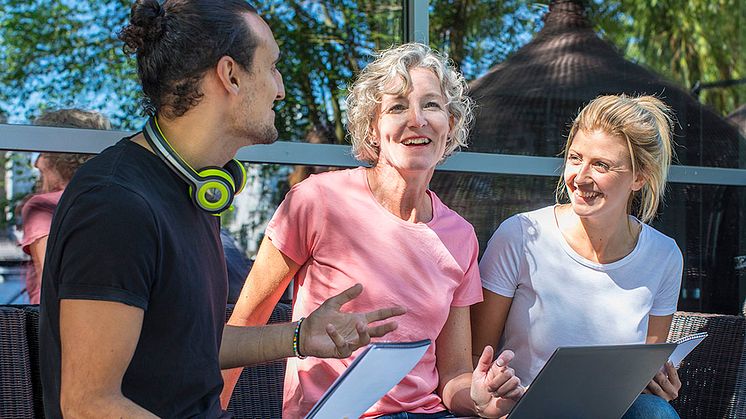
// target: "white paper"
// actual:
[[685, 345], [378, 369]]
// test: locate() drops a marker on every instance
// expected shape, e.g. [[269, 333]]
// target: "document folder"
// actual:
[[370, 376]]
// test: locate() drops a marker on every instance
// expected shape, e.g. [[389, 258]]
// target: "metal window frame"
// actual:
[[416, 21], [76, 140]]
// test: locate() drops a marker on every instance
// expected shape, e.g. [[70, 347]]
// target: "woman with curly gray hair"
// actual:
[[381, 226]]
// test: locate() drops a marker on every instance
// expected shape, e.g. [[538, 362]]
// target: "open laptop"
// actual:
[[591, 381]]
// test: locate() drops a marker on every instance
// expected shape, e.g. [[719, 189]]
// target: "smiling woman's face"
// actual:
[[412, 129], [598, 175]]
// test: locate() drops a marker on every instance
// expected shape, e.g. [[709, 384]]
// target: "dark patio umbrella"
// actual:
[[525, 105]]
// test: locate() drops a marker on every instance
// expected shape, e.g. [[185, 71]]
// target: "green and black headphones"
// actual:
[[211, 188]]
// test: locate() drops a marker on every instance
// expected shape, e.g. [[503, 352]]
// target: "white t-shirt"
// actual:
[[563, 299]]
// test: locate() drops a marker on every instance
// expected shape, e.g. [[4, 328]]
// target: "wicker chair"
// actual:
[[32, 332], [713, 376], [258, 393], [16, 390]]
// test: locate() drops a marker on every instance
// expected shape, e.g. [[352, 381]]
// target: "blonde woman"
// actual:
[[588, 271], [381, 226]]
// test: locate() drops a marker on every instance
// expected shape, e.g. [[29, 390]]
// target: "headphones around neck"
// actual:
[[212, 188]]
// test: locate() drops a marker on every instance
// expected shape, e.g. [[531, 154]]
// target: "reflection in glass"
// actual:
[[527, 100], [17, 181], [323, 45], [62, 54], [709, 225], [707, 222]]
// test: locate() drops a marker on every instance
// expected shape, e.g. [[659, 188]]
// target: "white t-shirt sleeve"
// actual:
[[501, 263], [667, 297]]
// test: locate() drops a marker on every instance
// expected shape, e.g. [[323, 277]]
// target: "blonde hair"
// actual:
[[396, 62], [646, 124]]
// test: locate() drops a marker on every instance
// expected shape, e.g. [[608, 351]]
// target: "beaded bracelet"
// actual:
[[296, 339]]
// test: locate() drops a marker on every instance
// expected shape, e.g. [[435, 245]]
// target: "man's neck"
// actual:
[[201, 142]]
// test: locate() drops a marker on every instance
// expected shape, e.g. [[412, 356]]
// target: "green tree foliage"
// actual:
[[478, 34], [65, 53], [688, 41], [324, 44]]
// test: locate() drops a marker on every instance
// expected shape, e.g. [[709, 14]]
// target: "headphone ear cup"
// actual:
[[215, 193], [238, 173]]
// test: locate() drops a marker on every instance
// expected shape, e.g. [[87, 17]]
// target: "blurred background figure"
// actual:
[[237, 263], [55, 172]]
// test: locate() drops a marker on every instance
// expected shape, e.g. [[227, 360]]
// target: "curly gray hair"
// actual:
[[396, 62]]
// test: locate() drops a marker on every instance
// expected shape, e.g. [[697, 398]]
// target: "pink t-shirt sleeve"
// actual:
[[296, 226], [37, 220], [470, 290]]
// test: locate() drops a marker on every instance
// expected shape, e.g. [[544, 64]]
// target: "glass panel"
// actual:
[[17, 183], [708, 223], [323, 45], [63, 54], [531, 67]]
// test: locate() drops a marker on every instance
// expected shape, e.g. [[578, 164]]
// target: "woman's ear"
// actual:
[[639, 182]]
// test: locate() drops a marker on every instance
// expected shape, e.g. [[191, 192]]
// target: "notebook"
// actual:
[[370, 376], [591, 381], [684, 346]]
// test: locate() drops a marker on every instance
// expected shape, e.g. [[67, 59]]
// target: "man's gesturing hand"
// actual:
[[331, 333]]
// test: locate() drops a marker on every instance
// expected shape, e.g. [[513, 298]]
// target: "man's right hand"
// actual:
[[331, 333]]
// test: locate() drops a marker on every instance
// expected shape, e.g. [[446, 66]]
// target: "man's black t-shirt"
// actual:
[[126, 231]]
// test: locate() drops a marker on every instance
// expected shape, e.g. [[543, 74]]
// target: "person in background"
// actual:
[[382, 226], [590, 272], [55, 172], [237, 264]]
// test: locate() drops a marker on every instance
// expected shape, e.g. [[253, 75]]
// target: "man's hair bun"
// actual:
[[146, 25]]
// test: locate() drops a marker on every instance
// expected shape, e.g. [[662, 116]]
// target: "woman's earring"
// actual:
[[373, 143]]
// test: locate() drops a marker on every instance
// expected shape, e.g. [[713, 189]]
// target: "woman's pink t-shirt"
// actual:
[[333, 227], [37, 220]]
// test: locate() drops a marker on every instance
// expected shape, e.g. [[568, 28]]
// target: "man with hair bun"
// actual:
[[134, 288]]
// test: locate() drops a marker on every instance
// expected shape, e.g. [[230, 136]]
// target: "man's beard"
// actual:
[[266, 134], [253, 133]]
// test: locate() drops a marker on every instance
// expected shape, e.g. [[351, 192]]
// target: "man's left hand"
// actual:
[[330, 333]]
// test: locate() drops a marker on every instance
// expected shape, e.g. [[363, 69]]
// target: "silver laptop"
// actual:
[[591, 381]]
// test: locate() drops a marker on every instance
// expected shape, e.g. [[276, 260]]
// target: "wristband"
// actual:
[[296, 340]]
